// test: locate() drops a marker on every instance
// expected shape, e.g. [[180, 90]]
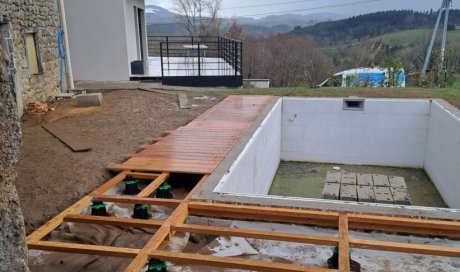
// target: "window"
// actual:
[[32, 54], [139, 22]]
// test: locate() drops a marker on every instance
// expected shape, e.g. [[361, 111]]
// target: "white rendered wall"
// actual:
[[442, 159], [98, 40], [388, 132], [255, 168]]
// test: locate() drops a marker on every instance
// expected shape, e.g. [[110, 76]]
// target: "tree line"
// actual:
[[361, 27], [287, 60]]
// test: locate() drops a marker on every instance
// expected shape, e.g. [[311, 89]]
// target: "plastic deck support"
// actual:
[[186, 207]]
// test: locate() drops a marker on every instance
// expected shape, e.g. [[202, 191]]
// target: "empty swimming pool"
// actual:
[[402, 133]]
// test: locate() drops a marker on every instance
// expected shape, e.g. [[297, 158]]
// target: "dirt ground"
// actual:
[[51, 177]]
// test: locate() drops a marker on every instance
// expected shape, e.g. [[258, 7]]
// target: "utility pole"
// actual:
[[445, 7]]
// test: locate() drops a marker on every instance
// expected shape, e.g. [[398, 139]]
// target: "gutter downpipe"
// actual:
[[66, 45]]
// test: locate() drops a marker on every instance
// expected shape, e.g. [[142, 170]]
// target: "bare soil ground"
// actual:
[[51, 177]]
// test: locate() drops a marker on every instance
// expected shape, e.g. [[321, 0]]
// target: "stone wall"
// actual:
[[12, 234], [41, 17]]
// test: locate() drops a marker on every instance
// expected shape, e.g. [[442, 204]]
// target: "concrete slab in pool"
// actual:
[[405, 134], [305, 179]]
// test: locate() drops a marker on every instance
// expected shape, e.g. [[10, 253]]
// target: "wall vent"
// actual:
[[353, 104]]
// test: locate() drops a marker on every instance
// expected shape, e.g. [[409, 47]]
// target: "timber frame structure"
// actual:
[[186, 207]]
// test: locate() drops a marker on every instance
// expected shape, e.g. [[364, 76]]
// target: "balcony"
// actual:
[[195, 61]]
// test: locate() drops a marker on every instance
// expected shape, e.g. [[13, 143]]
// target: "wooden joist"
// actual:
[[344, 244], [139, 200], [256, 234], [406, 248], [113, 221], [198, 148], [84, 249], [405, 225], [177, 217], [235, 263], [56, 221], [109, 184], [264, 211], [153, 185]]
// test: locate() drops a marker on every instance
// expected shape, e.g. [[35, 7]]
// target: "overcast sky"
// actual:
[[236, 8]]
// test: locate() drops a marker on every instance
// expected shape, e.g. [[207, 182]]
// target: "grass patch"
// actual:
[[410, 37], [452, 95]]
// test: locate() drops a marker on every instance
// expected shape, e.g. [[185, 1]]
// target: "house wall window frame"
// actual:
[[32, 46], [139, 21]]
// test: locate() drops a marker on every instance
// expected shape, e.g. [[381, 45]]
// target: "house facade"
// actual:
[[105, 36], [29, 36]]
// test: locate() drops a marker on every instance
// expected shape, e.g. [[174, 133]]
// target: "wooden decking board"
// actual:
[[202, 144], [72, 141]]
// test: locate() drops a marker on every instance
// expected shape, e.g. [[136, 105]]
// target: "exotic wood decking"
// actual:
[[176, 222], [202, 144]]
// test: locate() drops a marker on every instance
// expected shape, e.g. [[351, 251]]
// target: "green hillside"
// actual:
[[410, 37]]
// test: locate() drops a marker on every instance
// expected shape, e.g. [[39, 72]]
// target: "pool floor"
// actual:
[[305, 179]]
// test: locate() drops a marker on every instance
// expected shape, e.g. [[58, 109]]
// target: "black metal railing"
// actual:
[[173, 41], [197, 56]]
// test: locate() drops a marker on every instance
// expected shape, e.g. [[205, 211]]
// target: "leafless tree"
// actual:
[[368, 52], [285, 59], [199, 17]]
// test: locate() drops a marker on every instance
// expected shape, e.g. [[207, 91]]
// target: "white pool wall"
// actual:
[[387, 132], [255, 167], [442, 157]]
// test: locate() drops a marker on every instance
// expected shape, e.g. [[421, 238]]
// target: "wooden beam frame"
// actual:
[[344, 244], [186, 207], [113, 221], [235, 263], [256, 234], [197, 156]]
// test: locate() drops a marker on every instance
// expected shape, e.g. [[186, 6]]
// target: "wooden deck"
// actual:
[[202, 144]]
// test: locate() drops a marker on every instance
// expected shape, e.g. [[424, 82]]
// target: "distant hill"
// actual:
[[161, 21], [371, 25], [156, 14]]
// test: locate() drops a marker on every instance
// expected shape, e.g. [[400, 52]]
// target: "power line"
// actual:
[[309, 9], [272, 4], [280, 12]]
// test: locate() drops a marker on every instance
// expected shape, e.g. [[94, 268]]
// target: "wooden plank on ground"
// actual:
[[72, 141], [365, 180], [183, 100], [331, 191], [348, 192], [383, 195], [333, 177], [366, 194], [381, 180]]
